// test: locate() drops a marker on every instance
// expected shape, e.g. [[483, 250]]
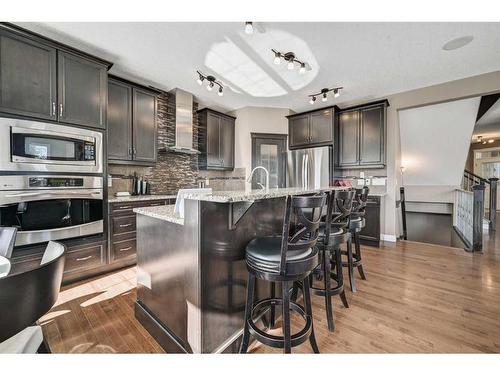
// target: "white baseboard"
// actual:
[[388, 237]]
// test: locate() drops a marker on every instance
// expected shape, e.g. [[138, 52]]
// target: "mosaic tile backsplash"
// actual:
[[174, 171]]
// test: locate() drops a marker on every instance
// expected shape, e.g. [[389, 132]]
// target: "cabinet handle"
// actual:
[[134, 151], [124, 225], [53, 108], [130, 150], [126, 248], [60, 110], [124, 207], [84, 258]]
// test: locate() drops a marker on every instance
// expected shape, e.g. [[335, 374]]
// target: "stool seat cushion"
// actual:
[[334, 231], [265, 253], [356, 223]]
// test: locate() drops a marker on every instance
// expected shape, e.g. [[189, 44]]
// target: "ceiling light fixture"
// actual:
[[458, 43], [291, 60], [324, 94], [211, 82], [249, 28]]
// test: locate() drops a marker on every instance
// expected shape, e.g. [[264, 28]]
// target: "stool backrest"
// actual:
[[360, 200], [25, 297], [305, 213], [339, 210]]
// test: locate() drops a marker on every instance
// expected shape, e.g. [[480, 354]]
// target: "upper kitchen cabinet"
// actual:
[[216, 140], [119, 120], [43, 79], [361, 136], [311, 129], [131, 123], [28, 82], [82, 91]]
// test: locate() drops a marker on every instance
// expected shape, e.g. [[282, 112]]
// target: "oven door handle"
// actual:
[[53, 193]]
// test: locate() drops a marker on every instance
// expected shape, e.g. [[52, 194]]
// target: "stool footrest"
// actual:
[[279, 341]]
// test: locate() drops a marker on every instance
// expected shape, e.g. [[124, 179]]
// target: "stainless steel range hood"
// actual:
[[183, 123]]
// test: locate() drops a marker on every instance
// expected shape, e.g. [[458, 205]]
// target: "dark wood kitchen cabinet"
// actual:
[[82, 91], [216, 140], [311, 129], [43, 79], [28, 82], [361, 136], [131, 123], [370, 234]]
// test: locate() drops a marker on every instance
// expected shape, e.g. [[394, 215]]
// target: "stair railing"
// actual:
[[468, 213], [469, 180]]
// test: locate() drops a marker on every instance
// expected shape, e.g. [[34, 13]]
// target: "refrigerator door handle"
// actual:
[[306, 171]]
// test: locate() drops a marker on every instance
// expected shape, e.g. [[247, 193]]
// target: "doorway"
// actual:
[[269, 151]]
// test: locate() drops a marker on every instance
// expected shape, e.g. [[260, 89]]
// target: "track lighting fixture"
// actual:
[[249, 28], [324, 94], [211, 82], [291, 60]]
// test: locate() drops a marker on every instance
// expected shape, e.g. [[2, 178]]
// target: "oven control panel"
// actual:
[[44, 182]]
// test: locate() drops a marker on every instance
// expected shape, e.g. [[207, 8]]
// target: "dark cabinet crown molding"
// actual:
[[334, 107], [215, 112], [52, 43], [126, 81]]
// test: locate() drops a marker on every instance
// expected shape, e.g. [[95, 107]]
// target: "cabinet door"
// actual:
[[371, 231], [348, 139], [27, 77], [119, 121], [321, 127], [298, 130], [144, 126], [227, 142], [372, 126], [213, 141], [82, 91]]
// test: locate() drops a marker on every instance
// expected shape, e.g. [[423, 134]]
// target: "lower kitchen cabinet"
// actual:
[[370, 234], [122, 229]]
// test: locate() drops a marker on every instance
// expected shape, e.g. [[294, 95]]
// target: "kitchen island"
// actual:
[[191, 272]]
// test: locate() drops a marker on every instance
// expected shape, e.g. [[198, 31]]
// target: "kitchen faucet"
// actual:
[[267, 177]]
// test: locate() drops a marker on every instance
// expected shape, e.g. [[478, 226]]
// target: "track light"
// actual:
[[249, 28], [211, 82], [291, 60], [324, 94]]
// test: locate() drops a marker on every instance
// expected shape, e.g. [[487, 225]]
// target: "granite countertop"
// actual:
[[252, 195], [138, 198], [161, 212]]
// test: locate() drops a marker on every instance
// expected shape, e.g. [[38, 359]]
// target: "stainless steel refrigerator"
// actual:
[[310, 168]]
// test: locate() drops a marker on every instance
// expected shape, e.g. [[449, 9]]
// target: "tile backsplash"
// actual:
[[174, 171]]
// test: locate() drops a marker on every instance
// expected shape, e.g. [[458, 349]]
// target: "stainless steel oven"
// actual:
[[39, 146], [45, 208]]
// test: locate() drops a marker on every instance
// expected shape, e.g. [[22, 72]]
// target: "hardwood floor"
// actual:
[[418, 298]]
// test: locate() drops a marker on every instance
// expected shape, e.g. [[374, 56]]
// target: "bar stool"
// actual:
[[356, 224], [285, 259], [333, 232]]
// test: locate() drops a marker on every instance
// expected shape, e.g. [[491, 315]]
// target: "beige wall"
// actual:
[[255, 120]]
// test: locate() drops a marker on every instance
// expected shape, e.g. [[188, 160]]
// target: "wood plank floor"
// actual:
[[418, 298]]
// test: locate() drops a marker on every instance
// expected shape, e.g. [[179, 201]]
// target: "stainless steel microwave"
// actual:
[[45, 147]]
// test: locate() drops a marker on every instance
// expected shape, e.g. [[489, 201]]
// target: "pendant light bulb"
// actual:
[[248, 28], [210, 86], [324, 98], [336, 93], [277, 58], [313, 99], [220, 93], [199, 81], [290, 65], [302, 69]]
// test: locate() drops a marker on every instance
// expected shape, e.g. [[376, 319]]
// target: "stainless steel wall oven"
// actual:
[[45, 208]]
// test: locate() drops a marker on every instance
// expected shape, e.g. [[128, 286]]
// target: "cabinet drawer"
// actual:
[[123, 224], [124, 249], [126, 208], [84, 258]]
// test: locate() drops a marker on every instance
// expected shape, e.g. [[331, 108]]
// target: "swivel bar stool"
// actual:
[[285, 259], [356, 224], [334, 231]]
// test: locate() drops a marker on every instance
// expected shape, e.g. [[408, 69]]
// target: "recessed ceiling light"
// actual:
[[458, 43]]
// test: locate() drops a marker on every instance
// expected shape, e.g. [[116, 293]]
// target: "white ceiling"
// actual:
[[370, 60], [488, 125]]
